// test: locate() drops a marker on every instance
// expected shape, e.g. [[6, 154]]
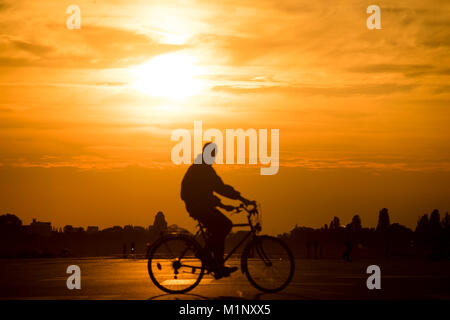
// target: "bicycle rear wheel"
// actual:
[[268, 264], [175, 265]]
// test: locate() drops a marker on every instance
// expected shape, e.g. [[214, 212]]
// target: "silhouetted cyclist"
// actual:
[[197, 191]]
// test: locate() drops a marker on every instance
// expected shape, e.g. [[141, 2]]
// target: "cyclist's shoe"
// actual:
[[224, 272], [229, 270]]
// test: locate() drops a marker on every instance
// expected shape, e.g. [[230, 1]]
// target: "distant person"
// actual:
[[197, 191], [316, 249], [147, 249], [133, 250], [348, 250], [124, 250]]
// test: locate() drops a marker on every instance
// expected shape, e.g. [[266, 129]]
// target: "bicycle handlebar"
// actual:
[[243, 207]]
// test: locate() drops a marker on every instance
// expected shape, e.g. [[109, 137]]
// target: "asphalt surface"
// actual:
[[106, 278]]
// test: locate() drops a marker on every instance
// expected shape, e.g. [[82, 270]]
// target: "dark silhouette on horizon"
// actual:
[[348, 250], [430, 238], [308, 249]]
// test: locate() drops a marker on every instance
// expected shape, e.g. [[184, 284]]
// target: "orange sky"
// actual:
[[86, 115]]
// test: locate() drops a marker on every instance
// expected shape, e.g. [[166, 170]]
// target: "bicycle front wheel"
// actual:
[[268, 264], [175, 265]]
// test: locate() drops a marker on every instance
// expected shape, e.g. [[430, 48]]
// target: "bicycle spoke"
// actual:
[[271, 268], [263, 255], [181, 271]]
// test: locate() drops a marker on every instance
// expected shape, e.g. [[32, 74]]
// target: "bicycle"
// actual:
[[177, 262]]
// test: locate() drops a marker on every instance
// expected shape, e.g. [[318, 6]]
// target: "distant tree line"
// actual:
[[39, 240], [431, 238]]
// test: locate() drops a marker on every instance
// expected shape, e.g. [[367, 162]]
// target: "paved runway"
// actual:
[[313, 279]]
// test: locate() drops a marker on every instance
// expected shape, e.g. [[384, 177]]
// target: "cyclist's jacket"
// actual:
[[198, 187]]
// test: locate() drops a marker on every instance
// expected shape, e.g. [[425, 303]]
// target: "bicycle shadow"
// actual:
[[190, 296], [178, 296]]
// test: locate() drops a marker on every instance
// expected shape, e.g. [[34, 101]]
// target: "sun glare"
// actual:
[[172, 76]]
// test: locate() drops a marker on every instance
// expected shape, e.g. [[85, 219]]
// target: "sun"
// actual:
[[173, 76]]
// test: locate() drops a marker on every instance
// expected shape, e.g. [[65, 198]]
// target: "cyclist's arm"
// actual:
[[226, 207], [224, 189], [227, 191]]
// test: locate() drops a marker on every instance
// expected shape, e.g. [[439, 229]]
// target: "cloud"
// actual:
[[92, 47], [371, 89], [409, 70], [312, 68], [16, 62], [4, 5], [33, 48], [242, 50]]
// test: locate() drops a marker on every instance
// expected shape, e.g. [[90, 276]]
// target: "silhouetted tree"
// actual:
[[435, 221], [335, 223], [446, 221], [423, 224], [356, 223], [383, 220], [446, 236], [434, 237]]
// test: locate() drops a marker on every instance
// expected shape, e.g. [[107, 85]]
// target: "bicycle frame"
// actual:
[[253, 230]]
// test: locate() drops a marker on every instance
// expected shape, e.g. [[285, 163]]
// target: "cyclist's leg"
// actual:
[[218, 227]]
